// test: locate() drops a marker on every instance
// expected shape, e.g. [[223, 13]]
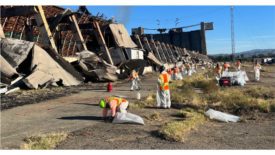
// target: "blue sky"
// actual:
[[254, 25]]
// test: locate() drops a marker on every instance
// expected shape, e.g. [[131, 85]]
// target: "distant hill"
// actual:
[[250, 53]]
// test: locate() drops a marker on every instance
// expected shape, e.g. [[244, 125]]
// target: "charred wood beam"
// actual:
[[81, 45], [102, 43], [58, 18], [155, 49], [171, 53], [14, 25], [85, 26], [44, 29], [136, 38], [18, 11], [166, 53], [161, 52]]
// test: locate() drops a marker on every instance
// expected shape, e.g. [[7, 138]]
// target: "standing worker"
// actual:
[[163, 92], [115, 104], [188, 68], [257, 68], [238, 65], [134, 78], [177, 73], [226, 66], [218, 71]]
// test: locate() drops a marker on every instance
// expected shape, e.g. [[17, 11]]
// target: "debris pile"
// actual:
[[35, 67]]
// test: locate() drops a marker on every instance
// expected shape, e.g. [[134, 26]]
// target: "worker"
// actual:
[[115, 104], [194, 67], [257, 68], [226, 66], [188, 68], [182, 70], [238, 65], [177, 74], [170, 72], [163, 92], [218, 71], [134, 78]]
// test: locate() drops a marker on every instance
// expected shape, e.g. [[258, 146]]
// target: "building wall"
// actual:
[[192, 40]]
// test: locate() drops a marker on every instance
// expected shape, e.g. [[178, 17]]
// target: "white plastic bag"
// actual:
[[220, 116], [127, 118]]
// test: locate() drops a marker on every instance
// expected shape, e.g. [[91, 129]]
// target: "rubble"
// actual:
[[58, 47], [37, 66], [95, 68]]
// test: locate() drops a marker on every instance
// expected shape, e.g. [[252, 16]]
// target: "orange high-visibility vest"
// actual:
[[226, 66], [164, 81], [117, 99]]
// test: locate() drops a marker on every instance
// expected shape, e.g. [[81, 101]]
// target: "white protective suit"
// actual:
[[257, 72], [163, 96]]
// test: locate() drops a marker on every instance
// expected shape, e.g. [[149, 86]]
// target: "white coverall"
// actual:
[[163, 96], [257, 69], [135, 79]]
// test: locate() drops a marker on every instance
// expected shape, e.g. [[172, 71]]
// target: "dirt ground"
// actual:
[[78, 114]]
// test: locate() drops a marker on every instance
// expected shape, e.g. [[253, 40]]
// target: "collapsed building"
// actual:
[[50, 45]]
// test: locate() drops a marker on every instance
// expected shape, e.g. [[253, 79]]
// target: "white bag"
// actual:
[[127, 118], [220, 116]]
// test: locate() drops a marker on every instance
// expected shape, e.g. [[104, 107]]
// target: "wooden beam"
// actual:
[[171, 53], [102, 42], [2, 34], [81, 45], [138, 42], [166, 53], [155, 49], [58, 18], [18, 11], [44, 29], [161, 51], [84, 26]]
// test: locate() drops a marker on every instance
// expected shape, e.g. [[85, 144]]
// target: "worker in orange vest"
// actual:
[[115, 104], [218, 71], [226, 66], [134, 78], [163, 92], [238, 65]]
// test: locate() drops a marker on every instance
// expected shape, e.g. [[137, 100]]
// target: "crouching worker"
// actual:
[[163, 92], [115, 104]]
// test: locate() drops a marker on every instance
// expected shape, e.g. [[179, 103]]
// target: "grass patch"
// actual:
[[44, 142], [154, 117], [150, 101], [177, 130], [261, 92], [237, 100]]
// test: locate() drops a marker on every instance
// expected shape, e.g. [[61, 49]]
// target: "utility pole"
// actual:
[[232, 33]]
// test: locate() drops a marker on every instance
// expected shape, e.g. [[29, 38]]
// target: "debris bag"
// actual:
[[127, 118], [220, 116]]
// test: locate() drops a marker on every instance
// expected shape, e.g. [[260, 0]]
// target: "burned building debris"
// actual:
[[50, 45]]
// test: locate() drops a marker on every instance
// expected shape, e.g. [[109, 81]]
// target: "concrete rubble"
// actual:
[[50, 46]]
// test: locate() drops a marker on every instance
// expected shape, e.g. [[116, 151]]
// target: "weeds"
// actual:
[[177, 130], [150, 100], [44, 142], [154, 117]]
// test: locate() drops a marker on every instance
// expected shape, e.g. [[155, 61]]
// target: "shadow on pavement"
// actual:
[[96, 118]]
